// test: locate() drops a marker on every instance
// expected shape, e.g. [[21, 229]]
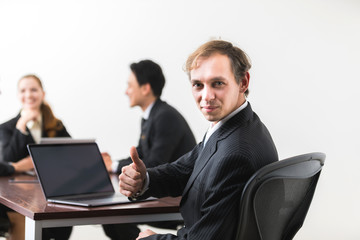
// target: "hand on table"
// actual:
[[107, 160], [23, 165], [145, 233]]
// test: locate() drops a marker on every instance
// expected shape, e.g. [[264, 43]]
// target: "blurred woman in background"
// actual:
[[35, 120]]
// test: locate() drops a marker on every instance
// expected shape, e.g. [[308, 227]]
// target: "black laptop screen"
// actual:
[[70, 169]]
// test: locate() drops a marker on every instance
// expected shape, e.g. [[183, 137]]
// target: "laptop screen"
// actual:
[[70, 169]]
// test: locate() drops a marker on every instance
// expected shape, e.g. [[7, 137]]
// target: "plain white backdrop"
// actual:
[[304, 80]]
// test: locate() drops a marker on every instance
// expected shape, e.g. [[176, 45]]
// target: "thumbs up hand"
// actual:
[[131, 180], [138, 165]]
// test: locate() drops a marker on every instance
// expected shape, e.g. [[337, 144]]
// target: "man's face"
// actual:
[[215, 89], [134, 92]]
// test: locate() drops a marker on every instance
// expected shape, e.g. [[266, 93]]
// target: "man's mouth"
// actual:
[[209, 108]]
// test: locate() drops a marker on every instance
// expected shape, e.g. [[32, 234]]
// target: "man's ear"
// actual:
[[146, 89], [244, 82]]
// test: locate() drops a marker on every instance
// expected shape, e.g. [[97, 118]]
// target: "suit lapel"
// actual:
[[212, 145], [203, 158], [146, 124]]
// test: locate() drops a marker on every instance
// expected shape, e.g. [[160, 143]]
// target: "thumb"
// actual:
[[135, 158]]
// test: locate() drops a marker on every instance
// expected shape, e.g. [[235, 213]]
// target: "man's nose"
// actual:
[[208, 93]]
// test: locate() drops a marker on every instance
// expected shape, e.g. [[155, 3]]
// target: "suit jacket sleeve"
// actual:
[[219, 209], [6, 169], [13, 141], [162, 180]]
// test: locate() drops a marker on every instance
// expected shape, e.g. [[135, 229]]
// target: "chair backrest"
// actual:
[[276, 198], [4, 227]]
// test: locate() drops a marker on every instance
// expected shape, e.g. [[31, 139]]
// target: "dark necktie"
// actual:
[[143, 127], [143, 121]]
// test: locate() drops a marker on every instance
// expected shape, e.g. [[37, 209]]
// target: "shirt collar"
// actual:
[[215, 127], [225, 119]]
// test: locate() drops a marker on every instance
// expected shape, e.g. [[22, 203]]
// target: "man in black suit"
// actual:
[[165, 135], [211, 177]]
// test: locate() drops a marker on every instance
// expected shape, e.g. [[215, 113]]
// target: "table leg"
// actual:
[[33, 229]]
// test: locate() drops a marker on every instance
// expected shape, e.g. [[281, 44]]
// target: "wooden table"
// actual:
[[27, 199]]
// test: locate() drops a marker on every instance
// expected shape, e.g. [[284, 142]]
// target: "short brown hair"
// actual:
[[240, 62]]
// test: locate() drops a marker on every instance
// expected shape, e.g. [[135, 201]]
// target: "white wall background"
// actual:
[[304, 81]]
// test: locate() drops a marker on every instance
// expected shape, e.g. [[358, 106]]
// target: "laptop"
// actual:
[[74, 173]]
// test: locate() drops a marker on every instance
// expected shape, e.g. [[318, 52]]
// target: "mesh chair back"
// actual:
[[276, 199]]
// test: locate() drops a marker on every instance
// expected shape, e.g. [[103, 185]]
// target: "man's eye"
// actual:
[[197, 85], [218, 83]]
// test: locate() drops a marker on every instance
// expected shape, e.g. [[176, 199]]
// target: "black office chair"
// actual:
[[277, 197], [4, 222], [4, 227]]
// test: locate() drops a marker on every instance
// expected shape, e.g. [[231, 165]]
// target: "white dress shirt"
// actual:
[[215, 127]]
